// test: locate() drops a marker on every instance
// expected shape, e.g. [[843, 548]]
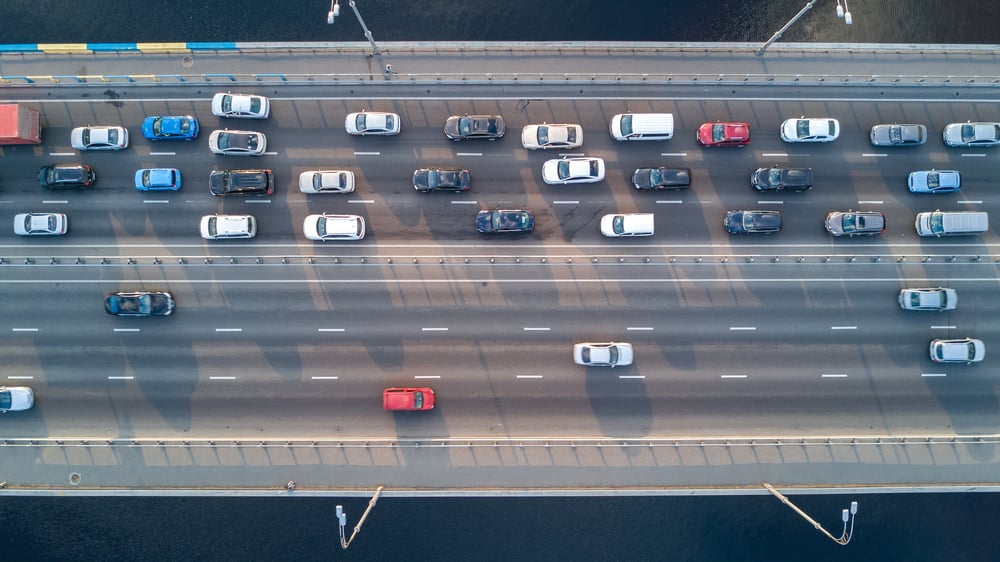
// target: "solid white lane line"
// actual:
[[121, 378], [24, 329], [734, 376], [464, 202], [323, 378], [155, 201], [670, 201], [874, 154], [329, 329], [834, 375], [673, 154], [221, 378], [843, 327], [21, 377], [638, 328], [434, 329], [163, 154], [126, 329], [529, 376], [870, 202], [361, 201], [969, 202], [468, 154], [54, 202], [631, 376], [973, 156], [62, 154], [565, 202], [533, 329], [257, 201], [742, 328], [781, 154], [229, 329], [367, 153], [426, 376], [933, 374]]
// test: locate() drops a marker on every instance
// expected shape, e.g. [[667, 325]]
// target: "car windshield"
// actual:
[[626, 125], [464, 126], [321, 226], [936, 225], [895, 134], [618, 224], [5, 400], [968, 133], [748, 221], [802, 128], [718, 132], [543, 135], [613, 354], [774, 176], [213, 226], [563, 169], [933, 180], [418, 400]]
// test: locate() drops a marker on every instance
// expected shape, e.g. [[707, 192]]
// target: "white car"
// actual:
[[16, 399], [972, 134], [99, 138], [551, 136], [39, 224], [221, 227], [237, 143], [810, 130], [372, 123], [928, 299], [609, 354], [966, 350], [326, 181], [573, 170], [627, 224], [333, 227], [245, 106]]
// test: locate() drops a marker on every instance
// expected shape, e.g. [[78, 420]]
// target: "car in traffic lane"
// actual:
[[241, 106], [965, 350], [573, 170], [898, 135], [326, 227], [139, 303], [99, 138], [241, 183], [441, 179], [408, 399], [222, 227], [546, 136], [724, 134], [657, 178], [326, 181], [40, 224], [823, 129], [621, 225], [855, 223], [749, 222], [66, 176], [170, 127], [237, 143], [601, 354], [16, 399], [779, 179], [372, 123], [937, 299], [464, 127], [158, 179], [969, 134], [497, 221], [934, 181]]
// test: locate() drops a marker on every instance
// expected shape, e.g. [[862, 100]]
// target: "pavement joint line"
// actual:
[[323, 378], [427, 376], [24, 329], [535, 329], [126, 329], [221, 378], [369, 201], [834, 375], [229, 329], [933, 374], [943, 327], [529, 376], [843, 327], [367, 153], [330, 329], [433, 329]]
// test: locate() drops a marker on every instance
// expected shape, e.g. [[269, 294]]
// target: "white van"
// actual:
[[951, 223], [642, 126]]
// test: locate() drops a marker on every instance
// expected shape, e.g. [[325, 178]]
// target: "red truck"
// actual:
[[19, 124]]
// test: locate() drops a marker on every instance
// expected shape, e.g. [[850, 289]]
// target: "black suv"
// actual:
[[777, 179], [61, 176], [241, 183]]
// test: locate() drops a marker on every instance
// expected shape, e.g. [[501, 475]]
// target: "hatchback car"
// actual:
[[661, 178], [60, 176], [99, 138], [498, 221], [855, 223], [746, 222], [326, 181], [966, 350], [898, 135], [408, 399], [928, 299], [40, 224], [221, 227], [16, 399], [241, 183], [237, 143], [609, 354], [158, 179], [934, 181], [972, 134], [372, 123], [627, 224], [170, 127], [547, 136], [440, 179], [333, 227], [462, 127], [724, 134], [573, 170], [244, 106], [778, 179], [139, 303], [810, 130]]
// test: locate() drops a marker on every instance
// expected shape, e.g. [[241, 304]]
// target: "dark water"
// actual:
[[890, 527]]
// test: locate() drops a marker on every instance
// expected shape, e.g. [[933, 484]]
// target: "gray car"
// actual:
[[855, 223], [778, 179], [462, 127], [928, 299], [898, 135]]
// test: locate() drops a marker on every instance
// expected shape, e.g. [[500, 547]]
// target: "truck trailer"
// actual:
[[19, 124]]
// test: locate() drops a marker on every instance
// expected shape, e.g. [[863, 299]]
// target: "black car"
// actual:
[[498, 220], [744, 222], [661, 178], [439, 179], [777, 179], [139, 303], [461, 127], [241, 183], [59, 176]]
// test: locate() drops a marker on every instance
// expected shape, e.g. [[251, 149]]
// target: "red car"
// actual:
[[724, 134], [408, 399]]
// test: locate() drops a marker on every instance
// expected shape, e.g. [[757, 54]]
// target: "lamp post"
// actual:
[[845, 536], [342, 519], [842, 12], [335, 11]]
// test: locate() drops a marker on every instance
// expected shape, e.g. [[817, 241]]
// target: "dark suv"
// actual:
[[777, 179], [241, 183], [61, 176]]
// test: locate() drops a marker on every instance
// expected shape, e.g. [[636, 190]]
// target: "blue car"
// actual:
[[165, 127], [158, 179]]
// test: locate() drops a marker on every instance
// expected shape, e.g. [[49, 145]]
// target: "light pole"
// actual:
[[335, 11], [842, 12], [845, 536], [342, 519]]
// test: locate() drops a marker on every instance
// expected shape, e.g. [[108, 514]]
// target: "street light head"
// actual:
[[845, 516], [340, 511], [840, 10], [854, 507], [847, 18]]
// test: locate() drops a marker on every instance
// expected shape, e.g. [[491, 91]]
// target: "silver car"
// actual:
[[547, 136], [333, 227], [898, 135], [610, 354], [99, 138], [326, 181], [16, 399], [372, 123], [972, 134], [966, 350], [219, 227], [39, 224], [928, 299], [245, 106], [237, 143]]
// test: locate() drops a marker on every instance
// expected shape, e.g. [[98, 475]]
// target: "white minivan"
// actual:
[[951, 223], [642, 126]]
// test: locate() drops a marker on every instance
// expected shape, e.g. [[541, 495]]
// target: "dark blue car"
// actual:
[[170, 127]]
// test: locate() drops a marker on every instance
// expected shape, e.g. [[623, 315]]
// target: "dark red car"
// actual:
[[406, 399], [724, 134]]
